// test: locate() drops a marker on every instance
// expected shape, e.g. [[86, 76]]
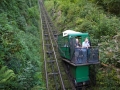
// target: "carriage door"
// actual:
[[72, 47]]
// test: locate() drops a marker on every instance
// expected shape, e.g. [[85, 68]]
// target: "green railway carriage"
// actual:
[[77, 59], [64, 42]]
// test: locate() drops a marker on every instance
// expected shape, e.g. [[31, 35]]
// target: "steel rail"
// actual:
[[55, 54], [53, 35], [45, 59], [48, 27], [46, 20], [46, 68], [44, 54], [72, 86], [56, 59]]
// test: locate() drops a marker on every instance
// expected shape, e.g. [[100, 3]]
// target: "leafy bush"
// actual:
[[96, 23], [112, 6], [20, 45], [110, 50]]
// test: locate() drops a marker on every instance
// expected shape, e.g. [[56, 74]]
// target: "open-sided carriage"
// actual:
[[77, 59]]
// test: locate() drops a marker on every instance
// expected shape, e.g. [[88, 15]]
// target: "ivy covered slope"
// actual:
[[20, 58], [98, 20]]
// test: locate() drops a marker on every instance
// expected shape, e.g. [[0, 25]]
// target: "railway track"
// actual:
[[55, 76]]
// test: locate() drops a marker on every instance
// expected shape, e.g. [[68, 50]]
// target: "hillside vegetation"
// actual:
[[20, 45], [110, 6], [85, 16], [100, 18]]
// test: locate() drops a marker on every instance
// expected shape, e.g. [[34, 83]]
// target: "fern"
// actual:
[[6, 75]]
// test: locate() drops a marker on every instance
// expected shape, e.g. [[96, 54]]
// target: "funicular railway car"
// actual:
[[77, 59]]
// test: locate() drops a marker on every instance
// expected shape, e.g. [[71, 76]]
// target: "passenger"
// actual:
[[86, 44], [78, 46], [77, 43]]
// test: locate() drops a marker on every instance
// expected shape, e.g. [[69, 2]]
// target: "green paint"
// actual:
[[62, 41], [80, 73], [64, 52]]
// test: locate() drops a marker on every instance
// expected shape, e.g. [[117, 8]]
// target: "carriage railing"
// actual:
[[86, 55]]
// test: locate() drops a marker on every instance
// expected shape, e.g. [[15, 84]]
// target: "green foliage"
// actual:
[[107, 79], [33, 12], [83, 16], [112, 6], [21, 23], [110, 50], [26, 79], [20, 45], [6, 75]]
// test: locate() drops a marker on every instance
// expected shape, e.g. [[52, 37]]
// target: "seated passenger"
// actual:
[[76, 53], [86, 44], [77, 43]]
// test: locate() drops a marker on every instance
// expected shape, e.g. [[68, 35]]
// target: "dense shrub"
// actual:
[[83, 16], [20, 45], [111, 6]]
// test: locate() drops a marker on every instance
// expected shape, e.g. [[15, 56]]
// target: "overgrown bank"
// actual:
[[20, 58]]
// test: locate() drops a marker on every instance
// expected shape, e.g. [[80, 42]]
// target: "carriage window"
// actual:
[[65, 42]]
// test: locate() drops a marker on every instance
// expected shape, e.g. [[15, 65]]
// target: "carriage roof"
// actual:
[[73, 33]]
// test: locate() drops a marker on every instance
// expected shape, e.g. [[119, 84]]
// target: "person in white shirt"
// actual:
[[85, 44], [85, 49]]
